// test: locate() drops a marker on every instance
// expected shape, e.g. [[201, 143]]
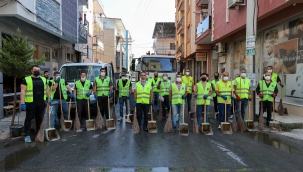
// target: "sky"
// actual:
[[139, 17]]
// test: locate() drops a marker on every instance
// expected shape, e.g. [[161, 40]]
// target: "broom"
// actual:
[[99, 120], [114, 109], [61, 118], [40, 135], [195, 122], [168, 125], [135, 123], [261, 117], [160, 115], [241, 125], [234, 124], [77, 124]]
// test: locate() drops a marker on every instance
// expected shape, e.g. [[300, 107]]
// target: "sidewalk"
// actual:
[[6, 122]]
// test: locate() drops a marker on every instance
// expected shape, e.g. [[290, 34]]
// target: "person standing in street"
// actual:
[[267, 91], [32, 99], [164, 86], [124, 87], [82, 91], [243, 93], [232, 102], [223, 91], [55, 97], [202, 93], [103, 88], [155, 82], [177, 96], [142, 99], [274, 76], [215, 98], [189, 82], [148, 78]]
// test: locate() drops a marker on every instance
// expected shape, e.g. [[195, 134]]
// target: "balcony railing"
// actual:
[[98, 21], [204, 26], [82, 33], [180, 48], [180, 23], [165, 51]]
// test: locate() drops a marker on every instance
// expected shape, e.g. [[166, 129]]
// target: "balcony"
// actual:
[[203, 31], [98, 7], [180, 51], [165, 51], [180, 5], [180, 26], [82, 34], [201, 2], [83, 2], [97, 42], [98, 22]]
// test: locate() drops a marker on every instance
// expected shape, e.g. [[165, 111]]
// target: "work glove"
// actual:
[[169, 103], [128, 96], [159, 82], [184, 97], [249, 98], [152, 102], [260, 95], [88, 94], [110, 94], [205, 96], [224, 97], [23, 107], [96, 97], [135, 103], [50, 100], [274, 95], [58, 80], [75, 99], [282, 85], [195, 96], [71, 95], [238, 97]]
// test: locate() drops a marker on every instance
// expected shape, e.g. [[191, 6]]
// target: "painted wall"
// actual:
[[69, 20], [163, 46]]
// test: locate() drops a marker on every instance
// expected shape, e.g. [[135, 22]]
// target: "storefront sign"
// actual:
[[200, 56], [45, 66], [253, 81], [250, 45]]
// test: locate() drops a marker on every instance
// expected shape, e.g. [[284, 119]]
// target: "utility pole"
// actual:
[[126, 51], [121, 57]]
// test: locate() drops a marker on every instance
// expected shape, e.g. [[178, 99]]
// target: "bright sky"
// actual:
[[139, 17]]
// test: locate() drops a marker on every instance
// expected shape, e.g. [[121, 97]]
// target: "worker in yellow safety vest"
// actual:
[[124, 87], [274, 76], [189, 82], [164, 87], [215, 99]]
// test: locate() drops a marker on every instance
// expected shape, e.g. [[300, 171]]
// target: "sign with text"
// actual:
[[253, 81], [201, 56], [250, 45]]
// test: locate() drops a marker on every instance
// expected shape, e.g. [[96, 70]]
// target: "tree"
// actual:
[[16, 59]]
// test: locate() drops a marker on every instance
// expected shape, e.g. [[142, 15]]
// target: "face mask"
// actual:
[[36, 73], [102, 73], [269, 71], [156, 76], [225, 78], [164, 77], [267, 78], [179, 79], [216, 77], [83, 79], [204, 79], [123, 78], [57, 77], [187, 73], [243, 75], [143, 80]]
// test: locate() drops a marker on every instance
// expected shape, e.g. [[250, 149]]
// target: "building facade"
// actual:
[[164, 38]]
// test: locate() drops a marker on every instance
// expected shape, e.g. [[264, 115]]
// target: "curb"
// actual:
[[5, 134], [290, 126]]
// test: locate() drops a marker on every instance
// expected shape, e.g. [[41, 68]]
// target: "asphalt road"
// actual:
[[122, 150]]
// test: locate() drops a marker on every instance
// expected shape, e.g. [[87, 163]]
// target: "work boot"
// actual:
[[219, 127], [174, 128], [27, 139]]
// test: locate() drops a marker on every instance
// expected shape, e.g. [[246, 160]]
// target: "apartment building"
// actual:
[[164, 38]]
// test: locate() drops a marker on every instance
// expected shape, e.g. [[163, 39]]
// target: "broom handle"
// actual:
[[108, 107], [248, 110], [151, 112], [225, 111], [70, 102], [48, 104], [183, 110], [88, 110], [204, 111], [273, 109], [60, 98]]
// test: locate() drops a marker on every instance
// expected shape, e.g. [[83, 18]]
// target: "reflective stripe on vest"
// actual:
[[123, 91], [143, 95], [177, 94], [225, 90], [214, 82], [201, 91], [164, 89], [242, 88], [63, 88], [155, 84], [102, 88], [267, 91], [189, 83], [81, 91], [28, 98]]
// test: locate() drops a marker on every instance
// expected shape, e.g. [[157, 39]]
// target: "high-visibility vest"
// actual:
[[164, 89], [189, 83], [201, 91], [274, 77], [225, 90], [242, 88], [102, 88], [177, 94], [82, 90], [267, 91], [143, 94], [29, 97], [63, 88], [150, 79], [214, 82], [155, 84], [123, 91]]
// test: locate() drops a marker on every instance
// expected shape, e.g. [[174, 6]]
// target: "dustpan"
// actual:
[[110, 123], [183, 128], [225, 126], [51, 134], [249, 124], [152, 125], [274, 125], [205, 126], [90, 123], [68, 123], [129, 117]]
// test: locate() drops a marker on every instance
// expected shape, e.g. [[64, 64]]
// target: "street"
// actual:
[[122, 150]]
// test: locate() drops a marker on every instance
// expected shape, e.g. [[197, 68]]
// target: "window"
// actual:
[[55, 55], [46, 53], [172, 46], [68, 57]]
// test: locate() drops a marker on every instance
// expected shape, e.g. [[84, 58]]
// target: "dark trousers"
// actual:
[[188, 101], [267, 106], [33, 110], [82, 104], [142, 108], [216, 103], [103, 105], [164, 105]]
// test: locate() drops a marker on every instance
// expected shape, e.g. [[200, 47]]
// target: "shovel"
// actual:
[[274, 125], [249, 123], [205, 126], [51, 134], [129, 117], [152, 125], [68, 123], [183, 128], [90, 123], [110, 123], [225, 126]]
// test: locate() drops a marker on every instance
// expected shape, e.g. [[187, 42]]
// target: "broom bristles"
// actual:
[[241, 125], [160, 115], [135, 124], [63, 128], [234, 124], [40, 134], [195, 125], [261, 121], [99, 120], [77, 124], [168, 125]]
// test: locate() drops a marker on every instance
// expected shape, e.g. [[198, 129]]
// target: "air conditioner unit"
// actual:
[[220, 47], [232, 4]]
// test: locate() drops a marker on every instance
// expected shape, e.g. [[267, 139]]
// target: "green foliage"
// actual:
[[16, 56]]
